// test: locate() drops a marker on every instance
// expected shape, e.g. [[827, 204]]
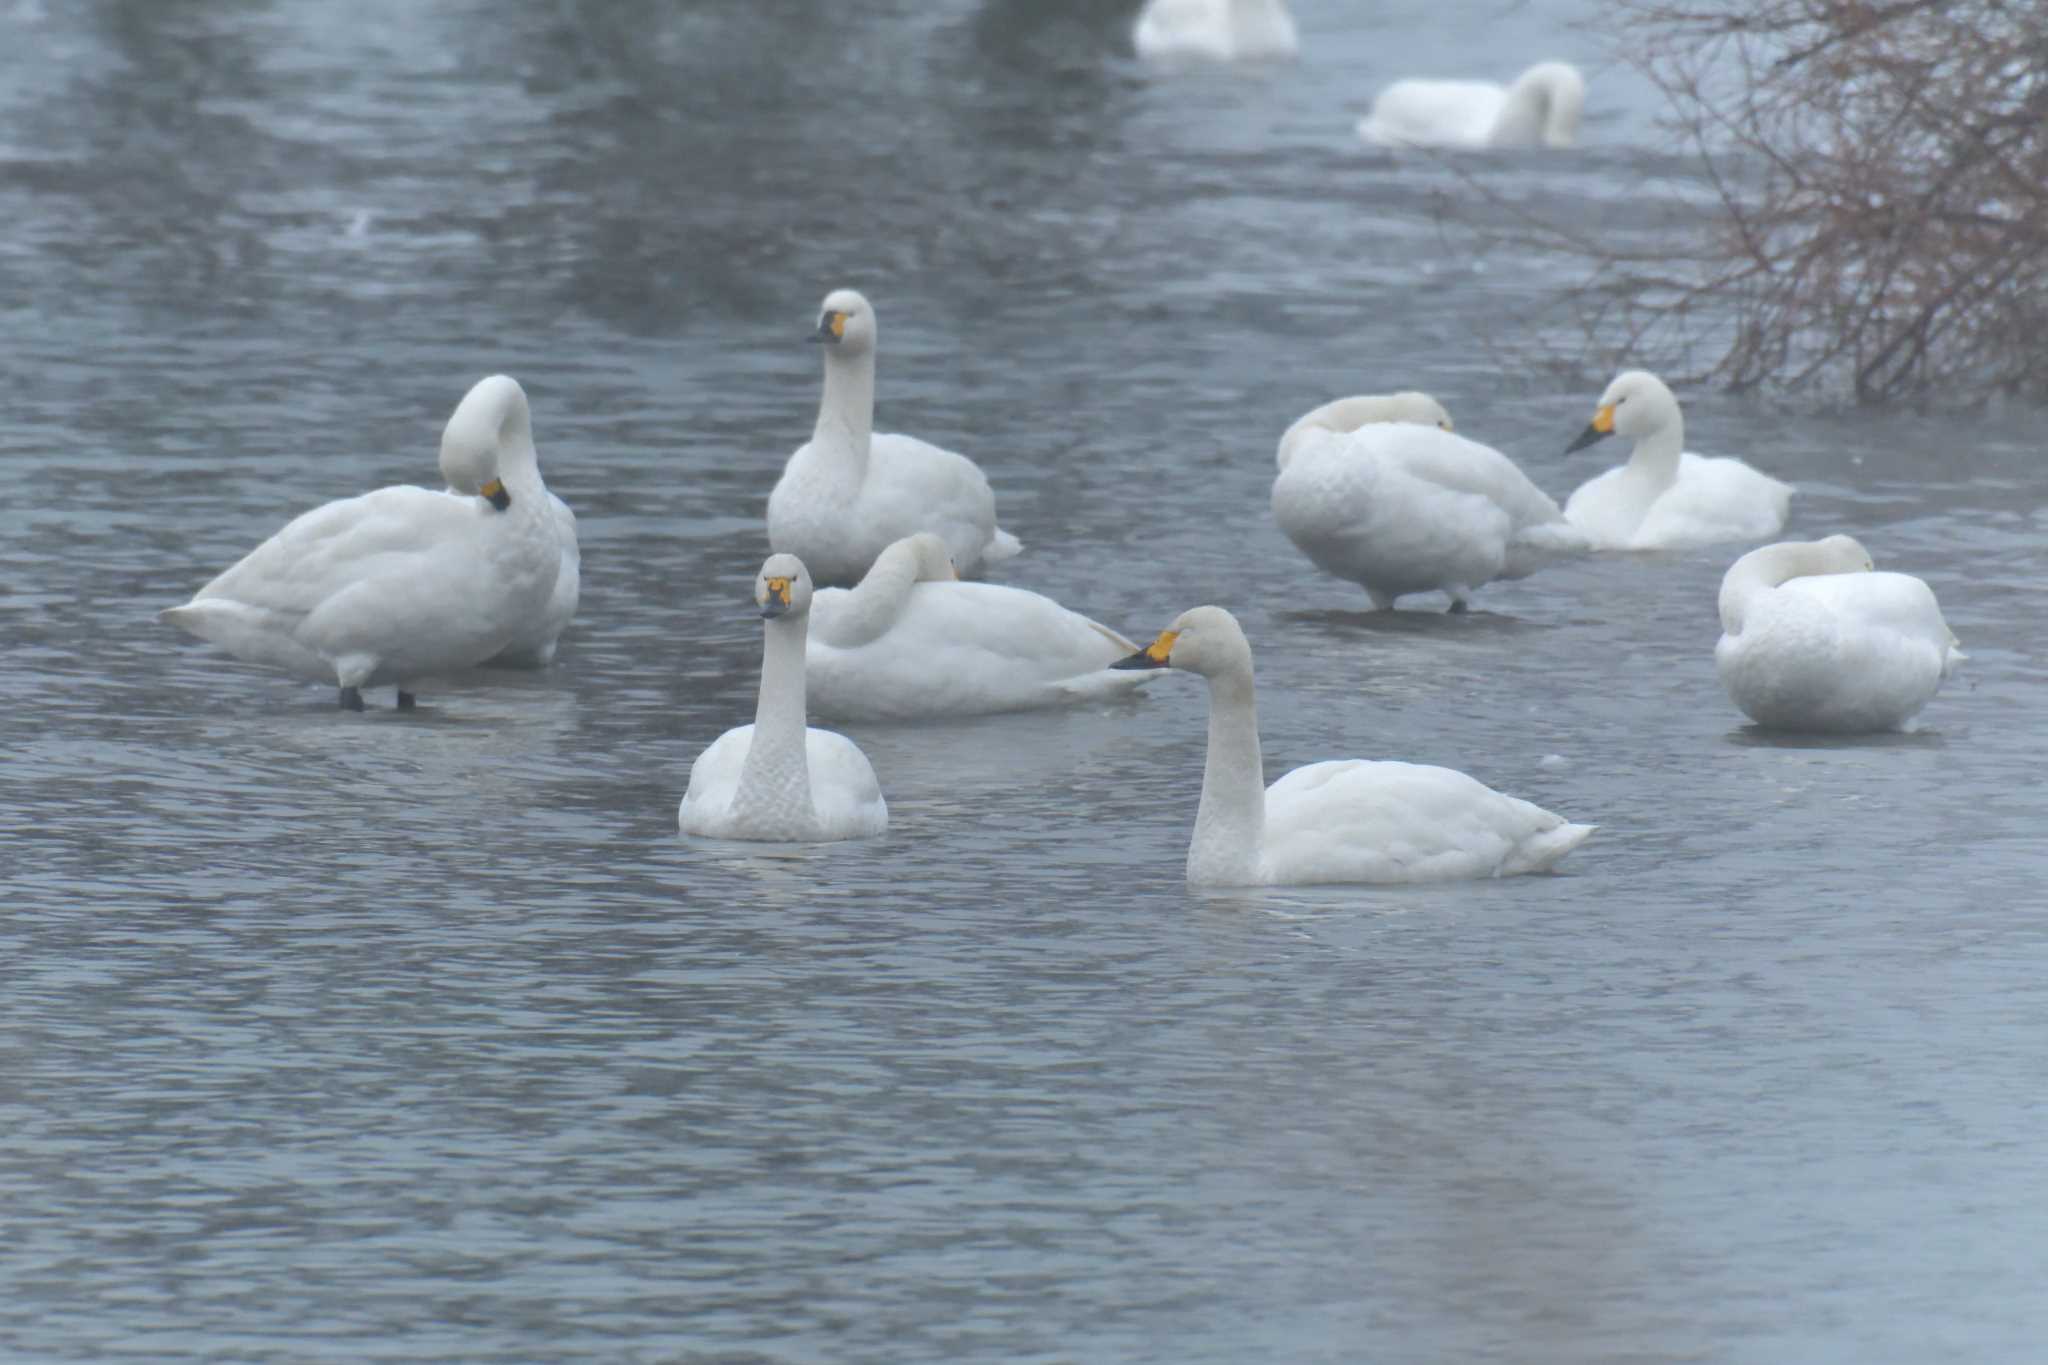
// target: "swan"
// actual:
[[779, 780], [534, 645], [1344, 821], [1541, 108], [402, 583], [912, 642], [1814, 639], [1665, 497], [1222, 30], [1380, 491], [848, 493]]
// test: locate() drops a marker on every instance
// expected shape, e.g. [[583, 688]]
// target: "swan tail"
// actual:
[[1543, 851], [1001, 545]]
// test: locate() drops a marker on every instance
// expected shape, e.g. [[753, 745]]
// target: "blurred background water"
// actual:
[[426, 1037]]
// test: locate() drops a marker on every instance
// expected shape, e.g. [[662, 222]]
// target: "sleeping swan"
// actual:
[[847, 493], [1665, 497], [913, 641], [404, 583], [1813, 639], [1222, 30], [778, 780], [1346, 821], [1378, 491], [1541, 108]]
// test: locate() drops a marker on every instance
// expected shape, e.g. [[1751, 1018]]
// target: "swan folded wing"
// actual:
[[1715, 500], [1434, 113], [1882, 617], [913, 486], [1452, 461], [844, 791], [319, 552]]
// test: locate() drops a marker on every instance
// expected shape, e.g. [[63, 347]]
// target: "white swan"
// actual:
[[848, 493], [1541, 108], [912, 642], [1813, 639], [534, 645], [1665, 497], [1220, 30], [403, 583], [1345, 821], [779, 780], [1379, 491]]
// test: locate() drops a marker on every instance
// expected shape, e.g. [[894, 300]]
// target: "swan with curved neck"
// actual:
[[1346, 415], [1215, 30], [849, 492], [1814, 638], [1344, 821], [1665, 497], [1541, 108], [778, 779]]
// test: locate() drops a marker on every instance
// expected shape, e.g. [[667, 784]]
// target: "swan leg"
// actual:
[[406, 700], [1458, 607], [351, 699]]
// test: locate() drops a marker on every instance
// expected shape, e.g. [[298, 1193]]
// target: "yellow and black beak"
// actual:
[[831, 327], [1599, 429], [1153, 655], [777, 600], [495, 491]]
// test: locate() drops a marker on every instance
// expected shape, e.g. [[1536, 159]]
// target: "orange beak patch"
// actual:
[[1603, 420]]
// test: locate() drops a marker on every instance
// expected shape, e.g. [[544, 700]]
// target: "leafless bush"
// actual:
[[1881, 171]]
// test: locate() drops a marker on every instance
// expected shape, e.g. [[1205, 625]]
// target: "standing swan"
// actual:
[[847, 493], [1813, 639], [403, 583], [519, 464], [1665, 497], [1541, 108], [1378, 490], [1220, 30], [777, 779], [912, 642], [1344, 821]]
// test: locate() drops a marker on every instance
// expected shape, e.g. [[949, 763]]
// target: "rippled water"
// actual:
[[427, 1037]]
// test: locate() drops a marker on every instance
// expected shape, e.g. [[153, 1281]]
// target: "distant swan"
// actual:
[[912, 641], [1665, 497], [1377, 490], [1541, 108], [1219, 30], [1814, 640], [779, 780], [1345, 821], [848, 493], [401, 584]]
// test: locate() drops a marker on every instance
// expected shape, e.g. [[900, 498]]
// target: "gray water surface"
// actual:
[[427, 1037]]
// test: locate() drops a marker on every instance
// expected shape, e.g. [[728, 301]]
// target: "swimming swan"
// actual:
[[912, 642], [779, 780], [1541, 108], [1813, 639], [403, 583], [1345, 821], [848, 493], [1665, 497], [1221, 30], [1379, 491]]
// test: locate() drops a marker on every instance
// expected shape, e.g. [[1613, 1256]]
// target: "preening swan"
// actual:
[[1378, 490], [848, 493], [534, 645], [1541, 108], [1813, 639], [1665, 497], [1344, 821], [779, 780], [401, 584], [1220, 30], [912, 641]]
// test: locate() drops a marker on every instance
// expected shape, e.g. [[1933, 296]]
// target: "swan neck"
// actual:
[[775, 780], [1231, 823], [1757, 572], [846, 413], [874, 604], [1655, 458]]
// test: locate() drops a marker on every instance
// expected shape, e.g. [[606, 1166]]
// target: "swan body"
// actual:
[[1346, 821], [848, 493], [779, 780], [912, 642], [1665, 497], [1379, 491], [1218, 30], [400, 584], [534, 645], [1542, 108], [1813, 639]]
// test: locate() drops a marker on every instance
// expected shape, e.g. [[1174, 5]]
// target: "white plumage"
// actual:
[[1542, 108], [1216, 30]]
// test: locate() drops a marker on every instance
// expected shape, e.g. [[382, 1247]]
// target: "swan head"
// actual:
[[1347, 415], [490, 416], [846, 320], [1204, 640], [783, 587], [1636, 405], [931, 561]]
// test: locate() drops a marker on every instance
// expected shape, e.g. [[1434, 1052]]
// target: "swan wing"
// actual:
[[844, 791], [1714, 501], [1434, 113]]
